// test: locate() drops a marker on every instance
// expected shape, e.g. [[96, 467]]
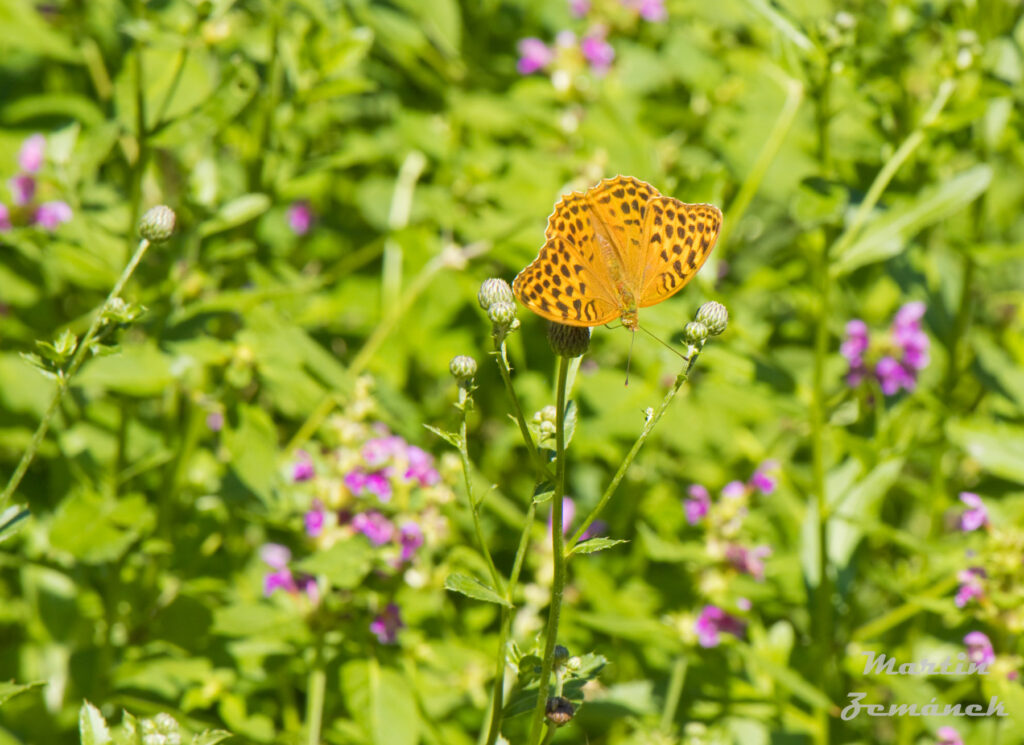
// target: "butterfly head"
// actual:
[[630, 318]]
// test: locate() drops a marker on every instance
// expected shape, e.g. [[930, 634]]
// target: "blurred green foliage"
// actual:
[[865, 154]]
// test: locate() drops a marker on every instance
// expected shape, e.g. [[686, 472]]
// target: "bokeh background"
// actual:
[[345, 173]]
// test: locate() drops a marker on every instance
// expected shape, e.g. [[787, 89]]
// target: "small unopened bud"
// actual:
[[157, 225], [695, 332], [561, 655], [714, 316], [568, 341], [559, 710], [462, 367], [494, 290], [502, 314]]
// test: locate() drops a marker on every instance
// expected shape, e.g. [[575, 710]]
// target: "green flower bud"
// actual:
[[502, 313], [714, 316], [462, 367], [561, 655], [559, 710], [157, 225], [568, 341], [494, 290], [695, 332]]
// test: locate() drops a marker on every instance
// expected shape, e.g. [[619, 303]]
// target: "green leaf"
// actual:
[[236, 212], [857, 508], [594, 545], [12, 689], [543, 492], [92, 727], [140, 370], [382, 702], [345, 564], [999, 448], [253, 449], [255, 619], [452, 438], [889, 233], [474, 588], [787, 678]]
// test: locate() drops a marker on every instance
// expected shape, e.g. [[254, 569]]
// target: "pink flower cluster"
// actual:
[[300, 217], [536, 56], [649, 10], [762, 481], [972, 586], [904, 353], [712, 622], [976, 515], [277, 558], [47, 215]]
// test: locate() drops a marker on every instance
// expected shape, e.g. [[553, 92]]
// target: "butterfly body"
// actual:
[[618, 247]]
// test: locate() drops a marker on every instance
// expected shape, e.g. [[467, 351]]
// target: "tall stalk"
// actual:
[[558, 552]]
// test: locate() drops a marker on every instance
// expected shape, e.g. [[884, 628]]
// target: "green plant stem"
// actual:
[[772, 144], [315, 699], [398, 218], [65, 376], [139, 167], [649, 426], [889, 169], [558, 555], [474, 504], [674, 693]]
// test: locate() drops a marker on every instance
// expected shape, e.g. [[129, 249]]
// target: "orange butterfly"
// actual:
[[614, 249]]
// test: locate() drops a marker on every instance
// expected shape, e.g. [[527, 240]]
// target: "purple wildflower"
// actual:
[[650, 10], [948, 736], [382, 450], [856, 342], [748, 560], [302, 469], [534, 55], [893, 376], [5, 217], [734, 490], [374, 526], [361, 483], [315, 519], [598, 52], [698, 504], [30, 157], [311, 588], [712, 621], [23, 189], [976, 515], [51, 214], [979, 648], [215, 421], [410, 536], [386, 625], [300, 217], [421, 467], [971, 586], [277, 557], [579, 8], [909, 337], [762, 480]]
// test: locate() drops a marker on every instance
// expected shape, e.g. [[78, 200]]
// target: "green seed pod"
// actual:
[[714, 316], [568, 341], [462, 367], [494, 290], [502, 314], [561, 655], [559, 710], [157, 225], [695, 332]]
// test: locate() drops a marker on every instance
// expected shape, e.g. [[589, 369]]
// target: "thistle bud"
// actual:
[[568, 341], [502, 314], [695, 332], [494, 290], [462, 367], [157, 225], [559, 710], [561, 655], [714, 316]]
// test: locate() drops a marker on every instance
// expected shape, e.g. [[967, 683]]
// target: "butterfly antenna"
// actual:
[[629, 357], [667, 346]]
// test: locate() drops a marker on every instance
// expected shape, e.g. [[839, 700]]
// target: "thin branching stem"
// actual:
[[65, 376], [649, 425]]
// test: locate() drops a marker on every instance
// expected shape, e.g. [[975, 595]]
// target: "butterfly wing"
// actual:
[[620, 206], [568, 282], [678, 239]]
